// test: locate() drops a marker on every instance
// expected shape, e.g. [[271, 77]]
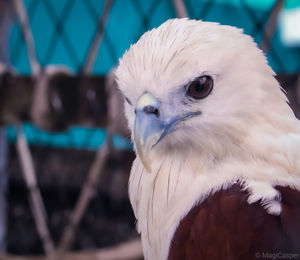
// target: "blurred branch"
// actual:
[[86, 194], [3, 187], [6, 24], [180, 8], [271, 26], [88, 188], [27, 33], [92, 54], [126, 251], [36, 201], [90, 61], [101, 156]]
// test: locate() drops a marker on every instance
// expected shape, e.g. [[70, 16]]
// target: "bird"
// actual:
[[217, 168]]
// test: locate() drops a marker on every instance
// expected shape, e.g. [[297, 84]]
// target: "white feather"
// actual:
[[247, 133]]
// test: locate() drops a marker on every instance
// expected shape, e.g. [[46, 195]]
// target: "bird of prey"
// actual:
[[217, 172]]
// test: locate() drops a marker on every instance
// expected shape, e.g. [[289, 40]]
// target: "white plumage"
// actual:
[[246, 132]]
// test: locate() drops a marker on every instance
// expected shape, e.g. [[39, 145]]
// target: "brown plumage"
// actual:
[[225, 226]]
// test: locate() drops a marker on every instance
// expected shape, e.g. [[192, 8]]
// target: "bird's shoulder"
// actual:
[[226, 226]]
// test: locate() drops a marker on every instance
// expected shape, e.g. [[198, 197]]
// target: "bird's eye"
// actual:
[[128, 101], [200, 87]]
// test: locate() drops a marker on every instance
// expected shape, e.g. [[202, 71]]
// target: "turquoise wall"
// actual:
[[75, 138], [127, 22]]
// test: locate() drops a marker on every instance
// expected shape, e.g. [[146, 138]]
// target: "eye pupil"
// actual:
[[200, 87]]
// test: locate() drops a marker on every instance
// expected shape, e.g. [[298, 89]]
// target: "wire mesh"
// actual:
[[70, 26]]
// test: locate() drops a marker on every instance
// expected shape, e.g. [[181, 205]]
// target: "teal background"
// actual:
[[76, 138], [128, 20]]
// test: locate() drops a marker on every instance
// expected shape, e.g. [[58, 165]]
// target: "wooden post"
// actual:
[[3, 187], [36, 202], [27, 33], [102, 154], [271, 26], [92, 54], [180, 8], [6, 21]]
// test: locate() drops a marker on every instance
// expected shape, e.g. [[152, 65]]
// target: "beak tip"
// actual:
[[146, 162]]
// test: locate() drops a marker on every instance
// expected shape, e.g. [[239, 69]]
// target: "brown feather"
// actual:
[[226, 226]]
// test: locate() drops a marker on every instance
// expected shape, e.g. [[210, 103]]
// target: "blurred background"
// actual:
[[65, 153]]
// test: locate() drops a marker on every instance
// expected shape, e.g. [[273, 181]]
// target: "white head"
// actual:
[[197, 87]]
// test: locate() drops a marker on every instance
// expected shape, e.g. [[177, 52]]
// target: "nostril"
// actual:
[[151, 110]]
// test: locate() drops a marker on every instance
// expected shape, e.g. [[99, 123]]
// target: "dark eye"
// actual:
[[128, 101], [200, 87]]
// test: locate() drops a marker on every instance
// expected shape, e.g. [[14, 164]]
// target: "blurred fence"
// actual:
[[80, 108], [63, 29]]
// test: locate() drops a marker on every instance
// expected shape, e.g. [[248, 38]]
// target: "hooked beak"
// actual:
[[150, 128]]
